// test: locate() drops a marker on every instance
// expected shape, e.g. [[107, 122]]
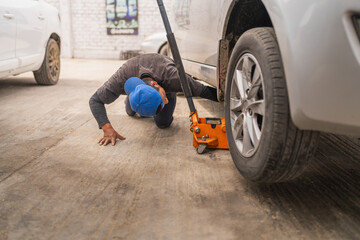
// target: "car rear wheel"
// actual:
[[49, 72], [264, 143]]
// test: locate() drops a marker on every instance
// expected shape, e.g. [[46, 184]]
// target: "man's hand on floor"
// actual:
[[110, 135]]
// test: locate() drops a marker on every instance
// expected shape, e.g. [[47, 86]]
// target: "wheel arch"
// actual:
[[241, 16], [57, 38], [54, 36]]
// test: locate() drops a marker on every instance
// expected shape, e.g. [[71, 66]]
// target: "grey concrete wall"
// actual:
[[84, 28]]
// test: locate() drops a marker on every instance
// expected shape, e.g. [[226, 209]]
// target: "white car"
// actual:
[[286, 70], [155, 43], [30, 40]]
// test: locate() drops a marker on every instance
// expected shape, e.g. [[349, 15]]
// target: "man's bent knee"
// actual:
[[162, 125]]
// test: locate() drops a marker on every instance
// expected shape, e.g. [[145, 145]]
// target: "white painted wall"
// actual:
[[84, 28]]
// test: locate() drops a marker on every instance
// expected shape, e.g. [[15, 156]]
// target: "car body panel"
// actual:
[[200, 71], [7, 36], [30, 31], [321, 65], [199, 46], [195, 41], [319, 47]]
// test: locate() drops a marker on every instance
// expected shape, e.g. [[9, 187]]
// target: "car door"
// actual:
[[30, 31], [7, 37], [196, 32]]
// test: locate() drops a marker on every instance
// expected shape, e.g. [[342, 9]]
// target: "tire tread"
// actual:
[[290, 149]]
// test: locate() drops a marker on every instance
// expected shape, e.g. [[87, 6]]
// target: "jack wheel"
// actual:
[[201, 149]]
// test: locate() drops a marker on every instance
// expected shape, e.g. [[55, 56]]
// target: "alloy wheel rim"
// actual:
[[247, 105], [54, 62]]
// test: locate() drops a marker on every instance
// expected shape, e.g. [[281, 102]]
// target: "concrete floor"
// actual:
[[57, 183]]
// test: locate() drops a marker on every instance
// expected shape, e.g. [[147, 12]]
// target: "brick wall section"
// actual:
[[54, 3], [88, 28]]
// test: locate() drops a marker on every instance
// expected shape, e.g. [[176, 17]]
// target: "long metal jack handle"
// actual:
[[177, 58]]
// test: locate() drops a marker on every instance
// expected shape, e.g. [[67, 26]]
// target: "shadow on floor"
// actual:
[[326, 199], [17, 82]]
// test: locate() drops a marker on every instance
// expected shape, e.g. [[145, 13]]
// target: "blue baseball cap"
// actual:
[[144, 99]]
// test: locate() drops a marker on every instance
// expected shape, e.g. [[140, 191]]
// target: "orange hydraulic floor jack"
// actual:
[[207, 132]]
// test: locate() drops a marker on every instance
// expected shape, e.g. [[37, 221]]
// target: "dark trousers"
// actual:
[[165, 117]]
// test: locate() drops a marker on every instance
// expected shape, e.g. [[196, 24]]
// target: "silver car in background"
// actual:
[[155, 43], [285, 69]]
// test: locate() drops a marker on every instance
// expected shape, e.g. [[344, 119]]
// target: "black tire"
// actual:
[[164, 49], [49, 72], [282, 151]]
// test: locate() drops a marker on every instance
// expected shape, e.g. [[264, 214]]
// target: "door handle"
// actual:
[[41, 17], [8, 16]]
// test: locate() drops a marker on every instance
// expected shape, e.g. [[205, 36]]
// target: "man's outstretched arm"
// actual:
[[98, 110]]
